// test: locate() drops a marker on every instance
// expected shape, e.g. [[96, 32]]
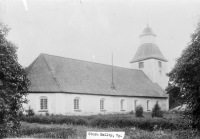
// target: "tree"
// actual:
[[174, 95], [13, 85], [139, 111], [186, 76], [156, 112]]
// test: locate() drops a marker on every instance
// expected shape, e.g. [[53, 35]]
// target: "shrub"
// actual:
[[58, 133], [111, 121], [43, 132], [156, 112], [131, 112], [47, 114], [30, 112], [81, 122], [21, 115], [139, 111]]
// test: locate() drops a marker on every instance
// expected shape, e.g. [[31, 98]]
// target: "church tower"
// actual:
[[150, 60]]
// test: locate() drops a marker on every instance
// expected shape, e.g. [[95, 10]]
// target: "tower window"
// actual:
[[141, 65], [159, 64]]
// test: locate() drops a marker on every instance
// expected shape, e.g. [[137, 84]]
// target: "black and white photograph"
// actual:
[[100, 69]]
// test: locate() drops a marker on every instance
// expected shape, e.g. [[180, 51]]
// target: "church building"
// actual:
[[68, 86]]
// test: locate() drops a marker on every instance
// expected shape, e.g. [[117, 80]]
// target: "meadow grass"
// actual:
[[76, 127], [35, 130], [169, 121]]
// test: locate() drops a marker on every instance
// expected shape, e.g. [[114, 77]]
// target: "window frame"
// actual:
[[43, 106], [77, 104], [103, 107], [122, 105], [141, 65], [148, 105]]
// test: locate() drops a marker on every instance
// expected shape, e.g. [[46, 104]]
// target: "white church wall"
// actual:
[[34, 102], [153, 72], [159, 75], [148, 67], [62, 103]]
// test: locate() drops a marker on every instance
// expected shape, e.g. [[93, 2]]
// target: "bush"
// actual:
[[21, 115], [47, 114], [42, 132], [156, 112], [30, 112], [57, 120], [139, 111], [111, 121], [58, 133]]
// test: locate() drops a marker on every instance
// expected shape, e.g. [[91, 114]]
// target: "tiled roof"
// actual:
[[57, 74], [148, 51], [147, 31]]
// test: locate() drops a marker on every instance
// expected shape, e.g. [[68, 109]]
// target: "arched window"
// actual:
[[102, 104], [43, 103], [76, 103], [135, 103], [148, 105], [122, 102]]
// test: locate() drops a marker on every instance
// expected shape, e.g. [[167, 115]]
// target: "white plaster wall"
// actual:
[[148, 67], [60, 103], [63, 103], [34, 102], [147, 39], [159, 74], [153, 72]]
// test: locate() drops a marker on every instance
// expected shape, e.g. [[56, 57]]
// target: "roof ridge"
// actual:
[[35, 62], [89, 61], [52, 74], [96, 94]]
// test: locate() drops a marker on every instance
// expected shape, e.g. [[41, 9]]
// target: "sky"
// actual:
[[91, 30]]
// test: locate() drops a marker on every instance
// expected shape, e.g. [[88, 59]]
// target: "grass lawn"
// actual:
[[53, 126], [35, 130]]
